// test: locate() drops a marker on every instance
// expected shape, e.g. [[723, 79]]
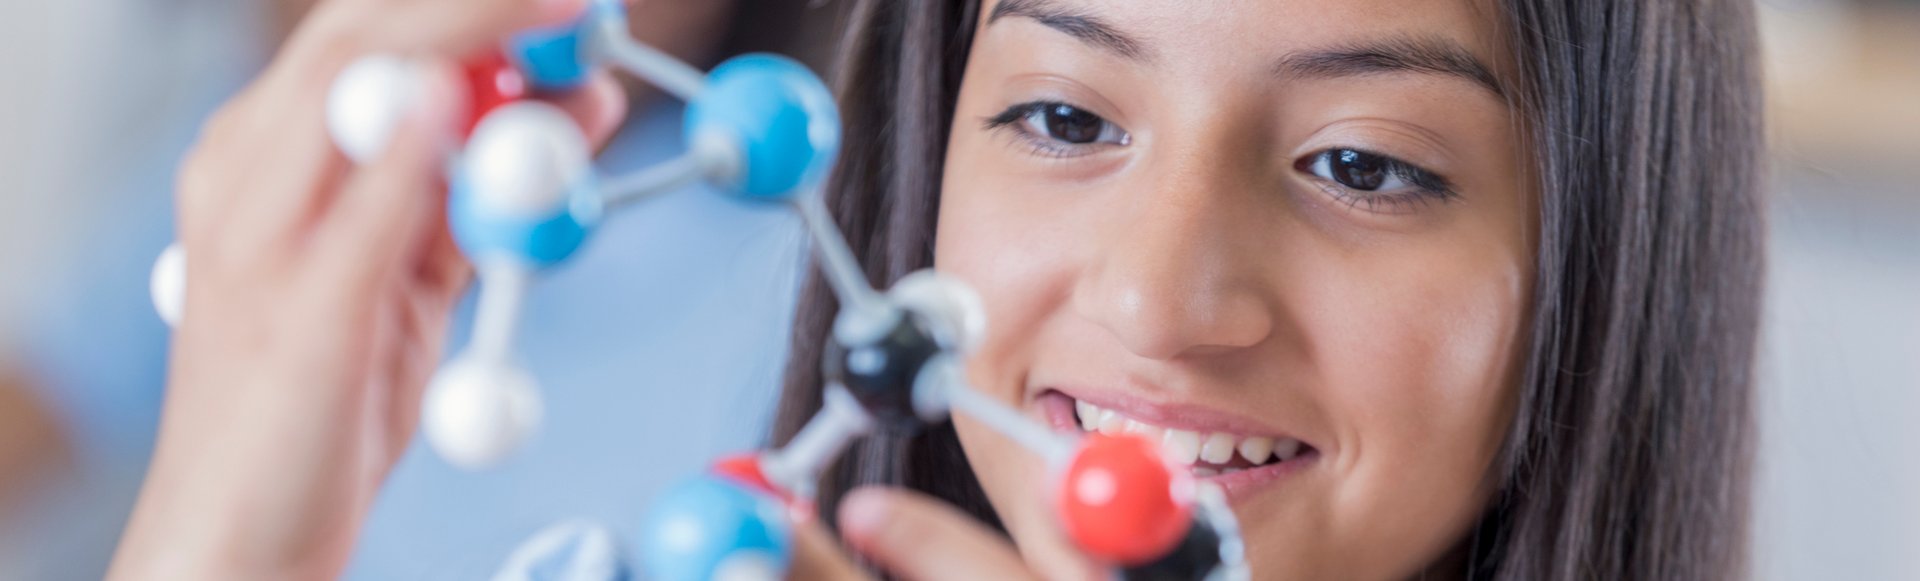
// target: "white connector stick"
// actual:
[[659, 68], [797, 466], [503, 290]]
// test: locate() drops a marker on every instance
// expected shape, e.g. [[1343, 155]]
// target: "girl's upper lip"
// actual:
[[1172, 414]]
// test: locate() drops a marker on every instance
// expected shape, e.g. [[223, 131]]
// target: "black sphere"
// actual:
[[880, 374], [1197, 555]]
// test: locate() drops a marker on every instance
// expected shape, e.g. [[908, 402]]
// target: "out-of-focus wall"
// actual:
[[93, 89], [1838, 489], [101, 98]]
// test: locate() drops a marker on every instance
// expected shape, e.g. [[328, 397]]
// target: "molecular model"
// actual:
[[762, 127]]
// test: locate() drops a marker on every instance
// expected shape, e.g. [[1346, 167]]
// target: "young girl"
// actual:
[[1447, 289]]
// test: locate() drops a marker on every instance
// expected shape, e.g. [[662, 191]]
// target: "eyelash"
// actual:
[[1427, 186], [1014, 118]]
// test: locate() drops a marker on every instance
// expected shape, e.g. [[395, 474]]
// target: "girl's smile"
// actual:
[[1242, 454]]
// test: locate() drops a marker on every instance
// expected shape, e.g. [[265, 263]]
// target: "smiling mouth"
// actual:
[[1236, 460]]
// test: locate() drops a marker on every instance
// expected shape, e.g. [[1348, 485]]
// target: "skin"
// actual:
[[1201, 264]]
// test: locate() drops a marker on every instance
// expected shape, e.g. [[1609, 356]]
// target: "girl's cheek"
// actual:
[[1418, 374], [1016, 249]]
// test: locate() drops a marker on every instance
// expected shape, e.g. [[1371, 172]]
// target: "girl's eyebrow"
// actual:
[[1086, 27], [1400, 54]]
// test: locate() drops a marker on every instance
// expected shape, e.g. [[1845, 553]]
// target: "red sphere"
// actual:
[[1121, 502], [493, 81], [744, 469]]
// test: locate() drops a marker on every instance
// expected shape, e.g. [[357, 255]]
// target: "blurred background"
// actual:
[[662, 344]]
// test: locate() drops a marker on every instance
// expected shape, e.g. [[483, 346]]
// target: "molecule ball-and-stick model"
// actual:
[[524, 197]]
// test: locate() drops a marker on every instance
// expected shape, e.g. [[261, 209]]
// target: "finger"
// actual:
[[435, 287], [817, 557], [285, 180], [598, 107], [463, 26], [340, 31], [337, 33], [291, 182], [382, 220], [421, 343], [919, 538], [207, 175]]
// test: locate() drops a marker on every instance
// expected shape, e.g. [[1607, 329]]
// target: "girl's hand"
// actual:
[[318, 300], [918, 538]]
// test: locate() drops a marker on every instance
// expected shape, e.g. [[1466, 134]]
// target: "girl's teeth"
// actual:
[[1218, 449], [1286, 448], [1257, 449], [1181, 446], [1187, 447]]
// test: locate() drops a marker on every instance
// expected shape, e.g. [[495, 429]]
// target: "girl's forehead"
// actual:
[[1236, 33]]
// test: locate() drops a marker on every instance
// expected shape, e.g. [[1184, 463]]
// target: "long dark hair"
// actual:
[[1629, 455]]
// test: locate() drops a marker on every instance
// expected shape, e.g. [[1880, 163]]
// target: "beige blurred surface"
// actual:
[[32, 445]]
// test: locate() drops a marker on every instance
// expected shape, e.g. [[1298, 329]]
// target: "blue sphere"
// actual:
[[538, 242], [777, 114], [558, 58], [707, 525]]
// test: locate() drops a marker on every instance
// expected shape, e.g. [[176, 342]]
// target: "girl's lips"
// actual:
[[1170, 414], [1058, 410]]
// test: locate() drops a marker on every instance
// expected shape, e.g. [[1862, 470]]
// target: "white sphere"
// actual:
[[946, 298], [477, 413], [169, 284], [367, 100], [523, 159]]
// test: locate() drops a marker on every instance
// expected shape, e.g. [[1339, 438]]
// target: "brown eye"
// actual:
[[1358, 169], [1381, 184], [1365, 171], [1066, 123], [1059, 127]]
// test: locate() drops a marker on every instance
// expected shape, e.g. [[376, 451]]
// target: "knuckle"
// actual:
[[196, 187], [223, 127], [906, 521], [330, 37], [196, 176]]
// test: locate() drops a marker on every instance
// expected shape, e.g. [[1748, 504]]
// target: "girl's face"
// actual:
[[1290, 239]]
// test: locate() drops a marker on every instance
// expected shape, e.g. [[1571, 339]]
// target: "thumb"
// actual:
[[922, 539], [817, 557]]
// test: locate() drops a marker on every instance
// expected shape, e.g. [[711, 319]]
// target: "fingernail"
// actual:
[[438, 100], [566, 8], [864, 511]]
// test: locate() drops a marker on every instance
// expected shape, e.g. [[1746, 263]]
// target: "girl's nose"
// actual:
[[1175, 275]]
